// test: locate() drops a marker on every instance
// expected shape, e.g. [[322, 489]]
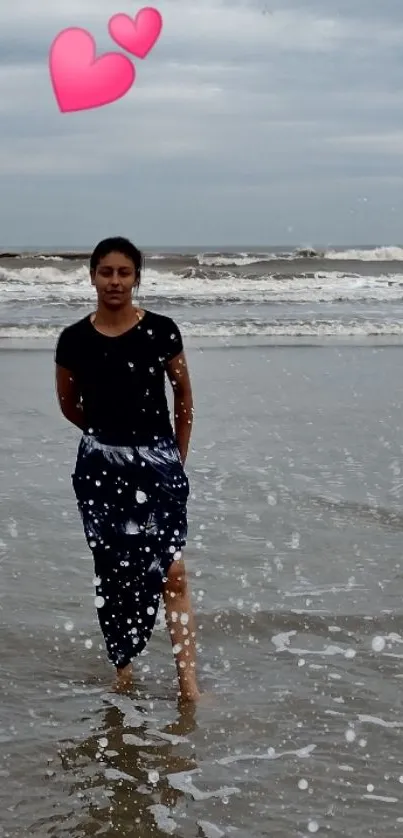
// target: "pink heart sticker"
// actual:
[[80, 80], [137, 36]]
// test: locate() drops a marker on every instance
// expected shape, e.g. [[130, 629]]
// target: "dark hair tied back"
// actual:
[[117, 244]]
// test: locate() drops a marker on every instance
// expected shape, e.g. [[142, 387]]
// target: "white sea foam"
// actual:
[[376, 254], [239, 259], [391, 253], [270, 754], [163, 818], [316, 329], [182, 781], [55, 287], [44, 299]]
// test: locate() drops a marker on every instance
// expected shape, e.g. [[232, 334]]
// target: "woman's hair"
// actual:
[[117, 244]]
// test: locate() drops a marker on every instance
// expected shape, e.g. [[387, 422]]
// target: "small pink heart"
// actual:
[[137, 36], [80, 80]]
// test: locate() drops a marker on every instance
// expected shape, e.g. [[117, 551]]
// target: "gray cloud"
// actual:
[[249, 123]]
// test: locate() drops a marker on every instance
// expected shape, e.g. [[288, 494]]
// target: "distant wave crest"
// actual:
[[377, 254]]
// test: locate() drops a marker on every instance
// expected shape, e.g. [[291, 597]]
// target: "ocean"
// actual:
[[295, 533], [255, 294]]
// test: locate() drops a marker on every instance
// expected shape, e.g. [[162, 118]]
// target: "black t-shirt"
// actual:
[[122, 379]]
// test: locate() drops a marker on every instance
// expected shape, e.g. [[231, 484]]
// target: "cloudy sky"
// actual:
[[251, 122]]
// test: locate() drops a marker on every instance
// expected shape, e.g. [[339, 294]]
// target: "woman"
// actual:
[[129, 480]]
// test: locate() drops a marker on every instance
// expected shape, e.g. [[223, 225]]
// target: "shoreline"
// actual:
[[241, 342]]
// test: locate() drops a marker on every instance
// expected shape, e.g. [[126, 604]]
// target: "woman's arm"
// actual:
[[178, 375], [68, 395]]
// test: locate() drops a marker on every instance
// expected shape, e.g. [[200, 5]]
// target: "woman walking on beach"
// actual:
[[129, 480]]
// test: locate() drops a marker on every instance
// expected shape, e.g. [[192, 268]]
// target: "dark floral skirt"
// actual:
[[133, 505]]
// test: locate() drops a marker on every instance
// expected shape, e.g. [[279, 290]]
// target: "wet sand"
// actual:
[[294, 558]]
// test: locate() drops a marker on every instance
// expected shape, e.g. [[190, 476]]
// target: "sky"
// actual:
[[251, 122]]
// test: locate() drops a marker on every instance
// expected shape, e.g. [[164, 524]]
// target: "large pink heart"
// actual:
[[80, 80], [137, 36]]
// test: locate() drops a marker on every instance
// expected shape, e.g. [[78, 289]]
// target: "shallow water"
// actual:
[[294, 558]]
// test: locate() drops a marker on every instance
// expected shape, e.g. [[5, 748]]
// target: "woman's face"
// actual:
[[114, 280]]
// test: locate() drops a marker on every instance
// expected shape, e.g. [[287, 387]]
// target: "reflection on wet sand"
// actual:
[[121, 771]]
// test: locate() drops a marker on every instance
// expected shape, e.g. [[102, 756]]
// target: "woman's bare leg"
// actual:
[[181, 626]]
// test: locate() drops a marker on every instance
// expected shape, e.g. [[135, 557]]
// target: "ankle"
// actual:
[[187, 676]]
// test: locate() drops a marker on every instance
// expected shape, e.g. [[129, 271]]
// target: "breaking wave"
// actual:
[[52, 286]]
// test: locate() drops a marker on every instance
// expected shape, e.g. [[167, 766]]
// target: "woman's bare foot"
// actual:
[[124, 678]]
